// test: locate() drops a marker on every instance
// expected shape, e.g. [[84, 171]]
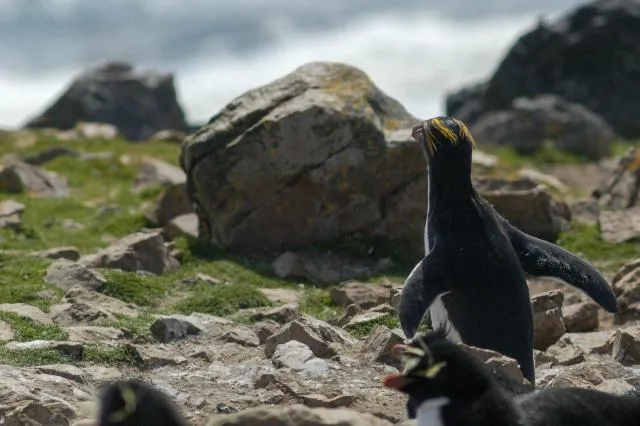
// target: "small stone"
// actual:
[[169, 328], [364, 295], [317, 400], [73, 349], [66, 274], [380, 343], [547, 316], [242, 336], [566, 352], [27, 311], [581, 317], [626, 346], [68, 253]]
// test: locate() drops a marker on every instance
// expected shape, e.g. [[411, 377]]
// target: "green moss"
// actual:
[[584, 239], [222, 299], [317, 303], [26, 329], [135, 288], [546, 154], [111, 355], [93, 354], [138, 326], [21, 280], [365, 328], [31, 357]]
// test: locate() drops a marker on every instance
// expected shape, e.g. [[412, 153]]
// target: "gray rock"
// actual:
[[626, 346], [379, 344], [185, 225], [66, 274], [547, 318], [241, 336], [73, 349], [172, 202], [362, 294], [529, 123], [11, 214], [297, 414], [318, 335], [80, 314], [581, 317], [141, 251], [527, 205], [155, 172], [621, 188], [587, 55], [27, 311], [357, 156], [19, 177], [166, 329], [618, 226], [137, 103], [68, 253], [325, 267]]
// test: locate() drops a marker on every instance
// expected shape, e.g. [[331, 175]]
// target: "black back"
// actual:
[[136, 403], [476, 398]]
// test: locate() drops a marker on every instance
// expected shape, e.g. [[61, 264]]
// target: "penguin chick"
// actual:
[[136, 403], [452, 388]]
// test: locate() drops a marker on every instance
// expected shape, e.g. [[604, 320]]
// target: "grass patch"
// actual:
[[222, 299], [111, 355], [546, 154], [317, 303], [31, 357], [365, 328], [26, 329], [138, 326], [94, 354], [134, 288], [584, 239], [21, 280]]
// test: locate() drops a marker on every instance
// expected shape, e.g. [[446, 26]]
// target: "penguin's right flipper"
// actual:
[[427, 280]]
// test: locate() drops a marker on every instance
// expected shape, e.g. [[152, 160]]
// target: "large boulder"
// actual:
[[137, 103], [314, 155], [621, 189], [529, 123], [589, 56]]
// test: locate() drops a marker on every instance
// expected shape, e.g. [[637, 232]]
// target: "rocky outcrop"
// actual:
[[621, 189], [137, 103], [589, 56], [526, 205], [530, 123], [314, 155]]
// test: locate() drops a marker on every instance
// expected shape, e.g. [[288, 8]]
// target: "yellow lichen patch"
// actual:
[[634, 164]]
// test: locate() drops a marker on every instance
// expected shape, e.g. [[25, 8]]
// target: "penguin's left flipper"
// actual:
[[427, 280], [541, 258]]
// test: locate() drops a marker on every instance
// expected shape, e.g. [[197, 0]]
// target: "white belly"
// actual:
[[428, 413]]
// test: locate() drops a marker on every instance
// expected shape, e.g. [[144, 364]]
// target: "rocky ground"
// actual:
[[93, 289]]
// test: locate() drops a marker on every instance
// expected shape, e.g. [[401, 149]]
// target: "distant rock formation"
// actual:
[[589, 56], [137, 103]]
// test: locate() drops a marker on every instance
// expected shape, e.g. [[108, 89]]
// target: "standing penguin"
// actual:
[[472, 278]]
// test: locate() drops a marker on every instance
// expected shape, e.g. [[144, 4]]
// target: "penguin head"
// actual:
[[445, 141], [436, 370]]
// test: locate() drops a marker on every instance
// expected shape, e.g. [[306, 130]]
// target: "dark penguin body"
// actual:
[[472, 278], [136, 403], [440, 370]]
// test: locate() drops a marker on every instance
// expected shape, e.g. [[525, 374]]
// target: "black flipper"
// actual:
[[427, 280], [541, 258]]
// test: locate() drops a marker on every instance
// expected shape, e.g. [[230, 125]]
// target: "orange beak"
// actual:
[[395, 381]]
